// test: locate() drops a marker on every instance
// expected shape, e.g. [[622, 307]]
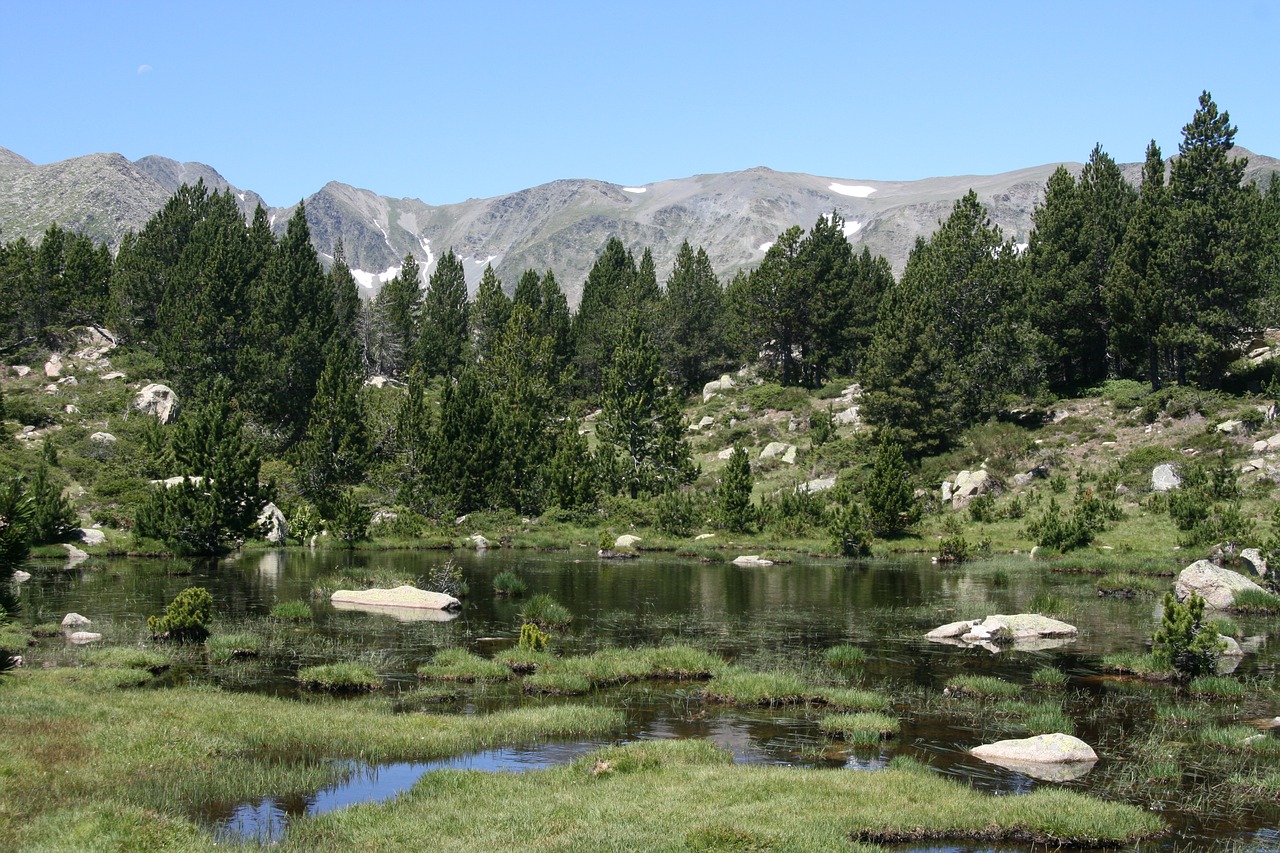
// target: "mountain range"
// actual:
[[561, 225]]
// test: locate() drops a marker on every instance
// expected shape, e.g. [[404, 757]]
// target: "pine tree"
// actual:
[[602, 313], [291, 322], [640, 428], [1135, 291], [443, 330], [335, 450], [889, 494], [53, 517], [733, 495], [572, 481], [395, 317], [489, 314], [528, 290], [691, 330], [556, 322], [464, 448], [412, 442]]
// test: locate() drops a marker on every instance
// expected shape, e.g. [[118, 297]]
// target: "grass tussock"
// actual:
[[1049, 678], [339, 678], [1136, 663], [224, 648], [1216, 686], [845, 656], [981, 687], [292, 611], [122, 657], [863, 729], [1253, 601], [462, 665], [545, 611]]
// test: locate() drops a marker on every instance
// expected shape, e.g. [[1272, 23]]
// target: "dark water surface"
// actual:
[[759, 616]]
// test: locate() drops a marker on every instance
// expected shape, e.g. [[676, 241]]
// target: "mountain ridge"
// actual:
[[560, 225]]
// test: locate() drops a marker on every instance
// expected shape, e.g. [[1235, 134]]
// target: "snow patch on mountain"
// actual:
[[480, 262], [765, 246], [851, 228], [635, 190], [373, 280], [852, 190]]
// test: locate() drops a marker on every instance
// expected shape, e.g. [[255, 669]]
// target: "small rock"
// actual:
[[713, 388], [81, 638], [19, 576], [946, 491], [1230, 427], [70, 409], [478, 542], [702, 536], [849, 417], [626, 540], [1253, 558], [53, 367], [102, 438], [21, 370], [778, 448], [819, 485], [159, 401], [74, 554], [1231, 648], [115, 374], [751, 560], [725, 454], [74, 620]]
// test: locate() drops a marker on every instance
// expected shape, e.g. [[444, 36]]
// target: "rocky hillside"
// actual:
[[561, 225]]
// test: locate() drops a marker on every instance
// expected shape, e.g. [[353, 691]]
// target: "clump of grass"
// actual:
[[741, 687], [860, 729], [509, 583], [14, 638], [1234, 738], [522, 660], [1256, 601], [982, 687], [128, 658], [295, 610], [543, 610], [1049, 678], [1047, 718], [424, 699], [1137, 663], [844, 656], [852, 699], [1126, 584], [465, 666], [1220, 686], [228, 647], [339, 678], [557, 683], [682, 663]]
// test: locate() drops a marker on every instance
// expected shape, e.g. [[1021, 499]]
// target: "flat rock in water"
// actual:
[[1055, 748], [1023, 631], [1216, 585], [404, 597], [1029, 626], [81, 638], [751, 560], [1067, 771], [74, 554]]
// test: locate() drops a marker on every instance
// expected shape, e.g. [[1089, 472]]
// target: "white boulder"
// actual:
[[1216, 585], [273, 525], [1164, 478], [92, 536], [74, 620], [159, 401], [715, 386], [626, 540], [81, 638], [752, 560]]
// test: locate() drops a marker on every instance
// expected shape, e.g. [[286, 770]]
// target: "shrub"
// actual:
[[822, 426], [954, 549], [851, 530], [186, 618], [1183, 642], [350, 522], [679, 513], [733, 495], [446, 577], [508, 583], [305, 521], [532, 638]]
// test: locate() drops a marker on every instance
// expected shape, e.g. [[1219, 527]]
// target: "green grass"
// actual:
[[462, 665], [1049, 678], [982, 687], [339, 678], [860, 729], [852, 699], [128, 658], [1143, 665], [1128, 583], [522, 661], [292, 611], [545, 611], [1256, 601], [741, 687], [1046, 718], [69, 737], [509, 583], [1219, 686], [558, 683], [845, 656], [224, 648], [672, 795]]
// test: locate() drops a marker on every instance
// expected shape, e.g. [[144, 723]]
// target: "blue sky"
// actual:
[[448, 101]]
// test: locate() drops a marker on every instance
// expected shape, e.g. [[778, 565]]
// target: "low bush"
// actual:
[[186, 618], [509, 583]]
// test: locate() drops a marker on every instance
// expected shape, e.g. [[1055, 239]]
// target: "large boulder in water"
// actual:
[[1055, 748], [408, 597], [1216, 585], [159, 401]]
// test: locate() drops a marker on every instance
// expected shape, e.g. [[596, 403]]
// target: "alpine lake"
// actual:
[[765, 618]]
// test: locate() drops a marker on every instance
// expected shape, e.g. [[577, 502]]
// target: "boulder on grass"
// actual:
[[158, 401], [273, 525], [1216, 585], [626, 540], [1164, 478]]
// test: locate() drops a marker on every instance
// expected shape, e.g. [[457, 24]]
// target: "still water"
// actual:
[[759, 616]]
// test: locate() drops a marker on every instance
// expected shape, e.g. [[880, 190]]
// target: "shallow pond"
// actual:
[[760, 616]]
